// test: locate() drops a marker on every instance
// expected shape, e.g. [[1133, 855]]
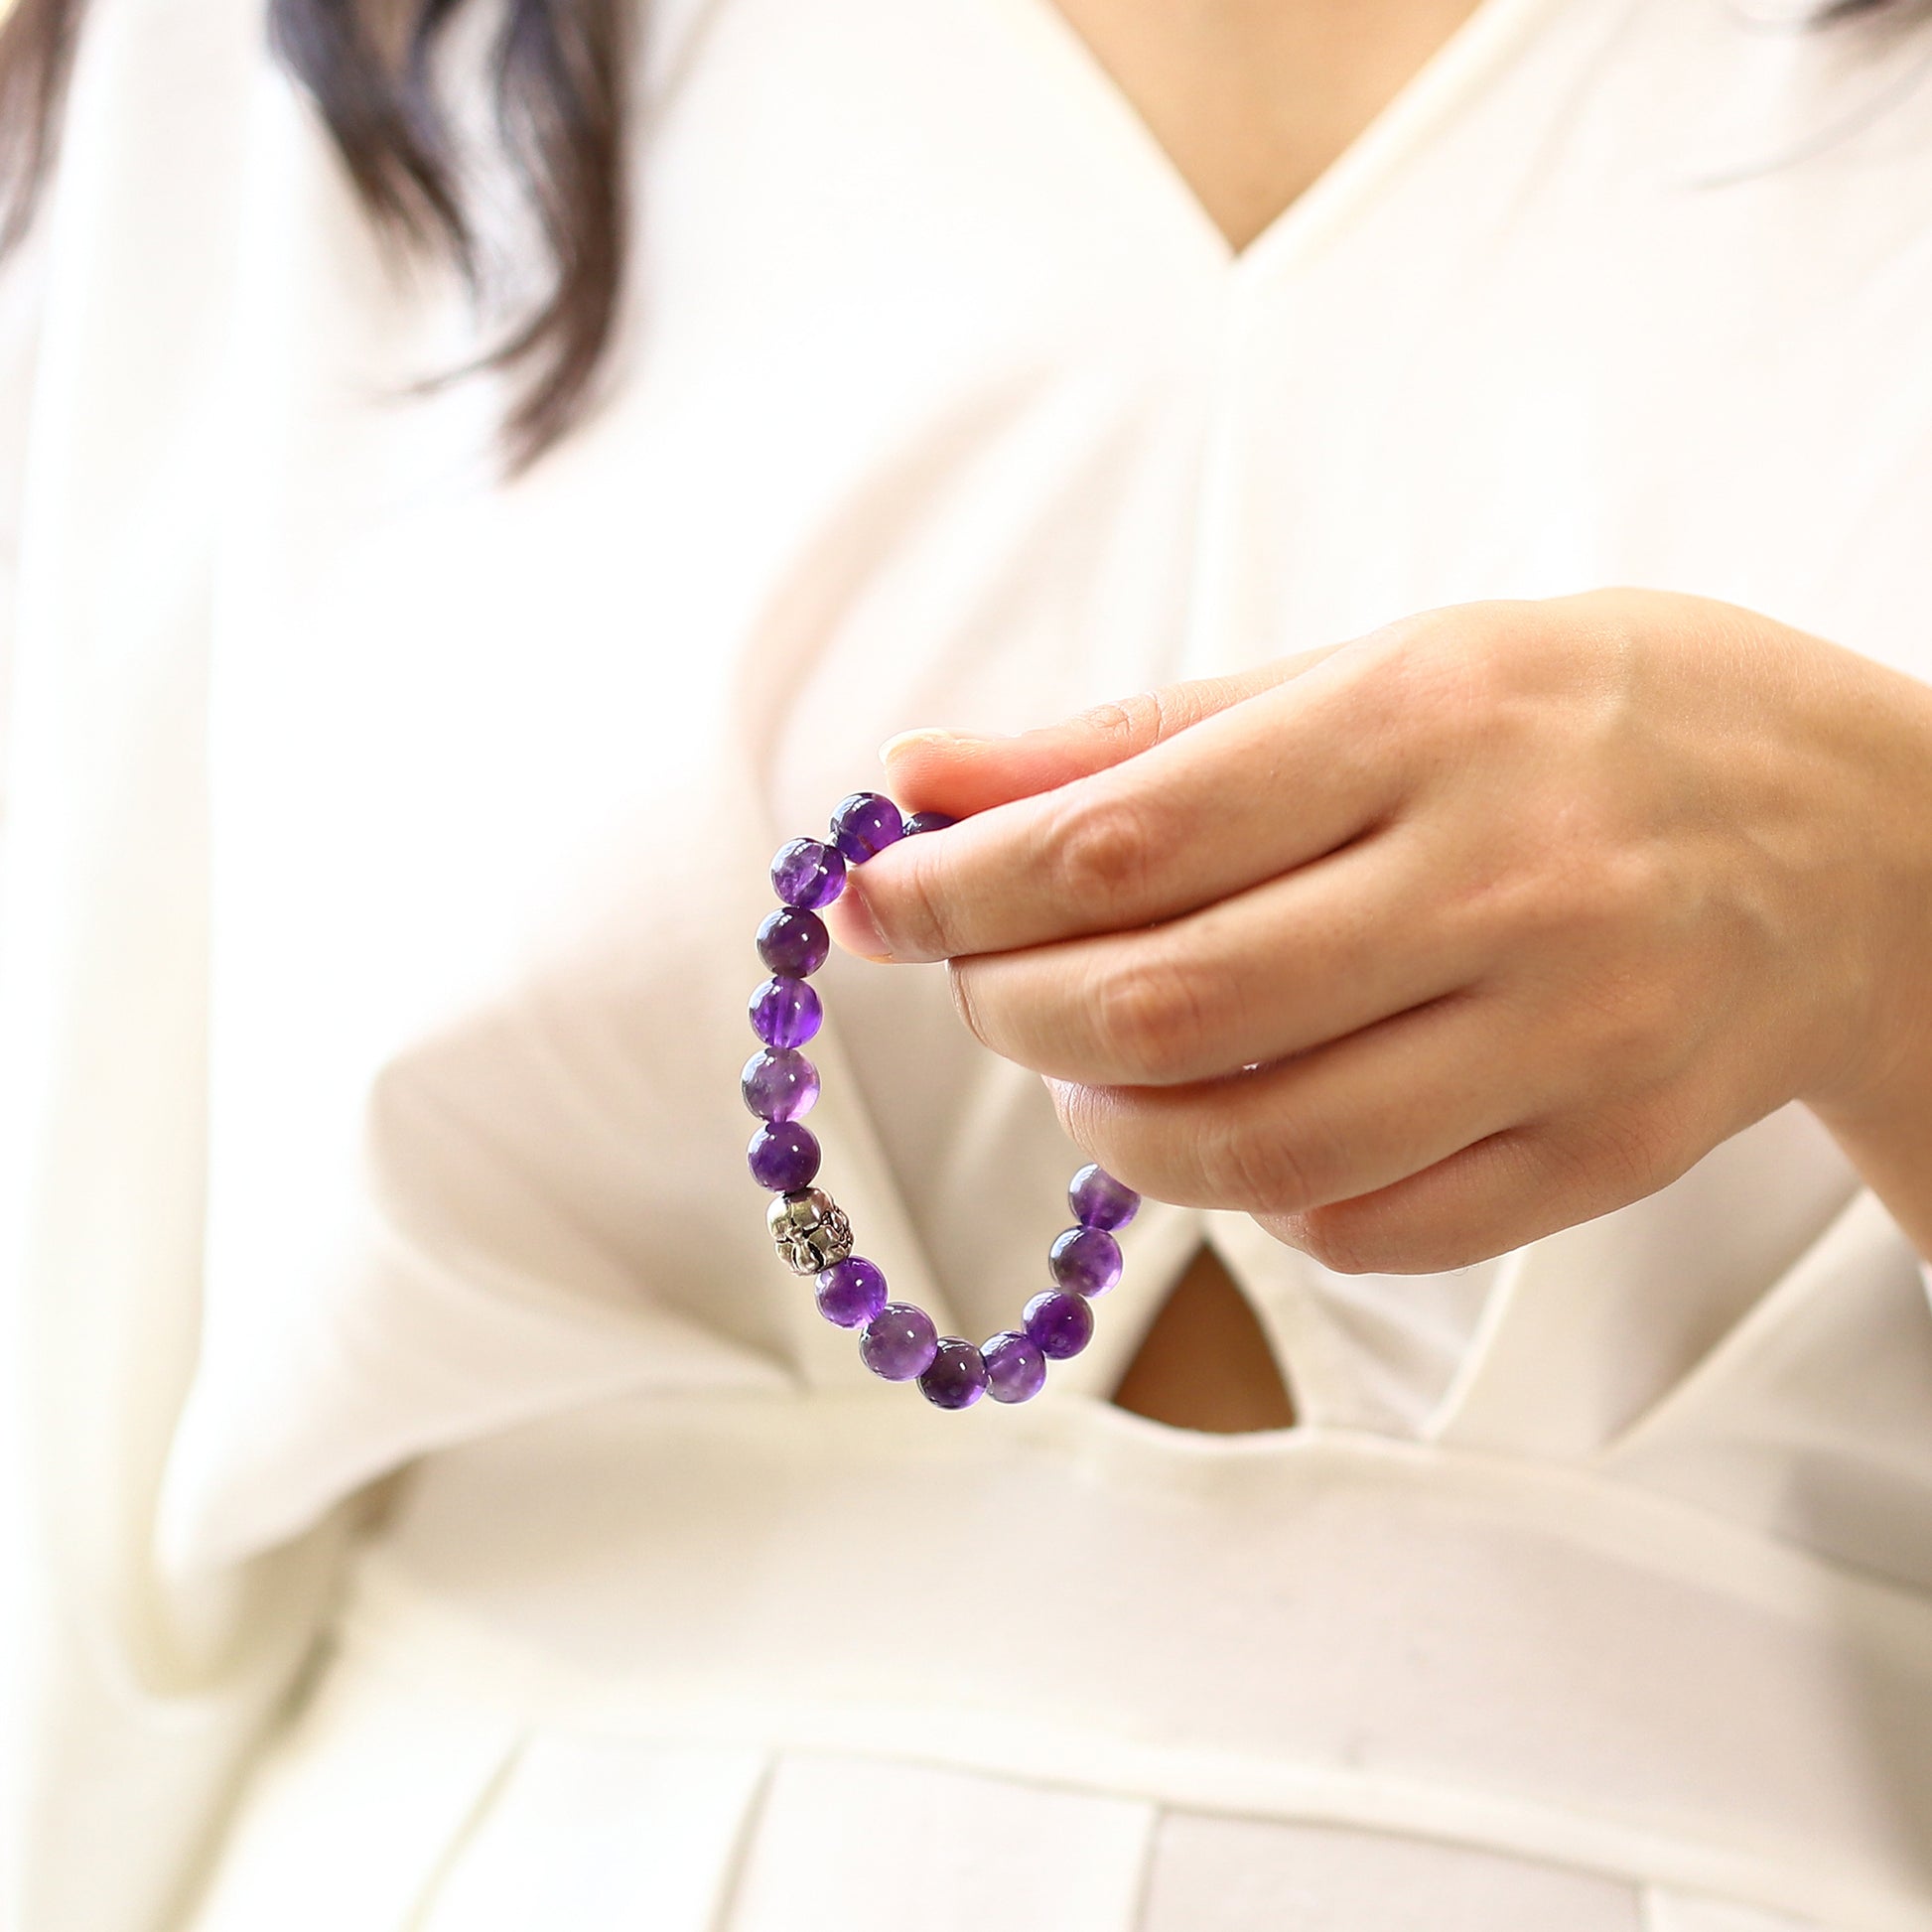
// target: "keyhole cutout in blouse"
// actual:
[[1205, 1363], [1252, 101]]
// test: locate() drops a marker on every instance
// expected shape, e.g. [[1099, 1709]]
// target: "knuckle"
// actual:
[[1127, 725], [1101, 855], [1472, 1212], [1387, 1248], [1150, 1020], [1497, 902], [1621, 1155], [923, 920], [1600, 882], [1541, 907], [1344, 1243], [1567, 887], [1357, 1238], [963, 986], [1637, 887], [1438, 686], [1089, 1118], [1260, 1171], [1454, 686], [1631, 1022], [1105, 1125]]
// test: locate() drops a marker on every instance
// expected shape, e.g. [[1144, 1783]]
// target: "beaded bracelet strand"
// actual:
[[897, 1340]]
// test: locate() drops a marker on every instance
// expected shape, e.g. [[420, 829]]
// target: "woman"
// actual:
[[1498, 1493]]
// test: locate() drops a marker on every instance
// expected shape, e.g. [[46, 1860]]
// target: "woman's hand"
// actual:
[[1423, 947]]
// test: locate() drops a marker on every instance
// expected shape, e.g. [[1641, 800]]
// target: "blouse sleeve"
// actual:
[[137, 1693]]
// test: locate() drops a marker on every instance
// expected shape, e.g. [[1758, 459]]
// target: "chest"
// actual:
[[1251, 100]]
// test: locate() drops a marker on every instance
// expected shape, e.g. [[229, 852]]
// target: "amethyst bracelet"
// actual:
[[896, 1340]]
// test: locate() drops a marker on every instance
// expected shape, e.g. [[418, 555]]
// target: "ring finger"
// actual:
[[1310, 956], [1352, 1116]]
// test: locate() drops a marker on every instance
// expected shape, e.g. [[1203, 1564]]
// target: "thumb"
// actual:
[[962, 773]]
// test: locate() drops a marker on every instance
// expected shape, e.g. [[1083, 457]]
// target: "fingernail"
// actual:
[[862, 931], [930, 735]]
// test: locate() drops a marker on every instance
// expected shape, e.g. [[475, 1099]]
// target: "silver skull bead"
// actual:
[[810, 1230]]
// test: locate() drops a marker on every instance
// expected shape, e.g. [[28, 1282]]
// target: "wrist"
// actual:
[[1883, 1068]]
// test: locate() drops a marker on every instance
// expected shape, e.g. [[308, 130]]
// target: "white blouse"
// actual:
[[385, 842]]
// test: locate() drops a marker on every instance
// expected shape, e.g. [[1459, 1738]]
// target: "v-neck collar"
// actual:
[[1445, 83]]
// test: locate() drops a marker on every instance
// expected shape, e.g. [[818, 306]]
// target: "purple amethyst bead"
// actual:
[[1016, 1367], [783, 1156], [1098, 1201], [1086, 1260], [865, 824], [785, 1011], [794, 942], [809, 874], [956, 1378], [1057, 1323], [900, 1342], [851, 1292], [779, 1084], [929, 822]]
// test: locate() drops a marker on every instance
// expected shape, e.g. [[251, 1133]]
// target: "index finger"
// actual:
[[963, 773], [1241, 794]]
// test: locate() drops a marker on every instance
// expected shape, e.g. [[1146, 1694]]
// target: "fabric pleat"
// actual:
[[601, 1835], [857, 1844], [356, 1810], [1241, 1875]]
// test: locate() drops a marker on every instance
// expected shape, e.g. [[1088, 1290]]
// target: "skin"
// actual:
[[1432, 943], [1204, 1362], [1581, 888], [1253, 99]]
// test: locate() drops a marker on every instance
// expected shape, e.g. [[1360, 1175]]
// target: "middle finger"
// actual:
[[1176, 827], [1275, 970]]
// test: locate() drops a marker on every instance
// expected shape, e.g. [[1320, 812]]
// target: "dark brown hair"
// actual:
[[559, 72], [559, 68]]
